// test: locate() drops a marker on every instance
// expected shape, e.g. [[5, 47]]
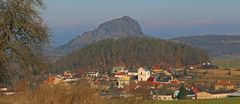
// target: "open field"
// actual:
[[226, 61], [211, 101], [218, 74]]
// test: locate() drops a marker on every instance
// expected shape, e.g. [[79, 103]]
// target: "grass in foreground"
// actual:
[[55, 95], [84, 95], [211, 101]]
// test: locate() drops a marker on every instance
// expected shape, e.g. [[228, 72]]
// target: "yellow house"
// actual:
[[204, 95], [123, 81], [223, 95], [223, 84]]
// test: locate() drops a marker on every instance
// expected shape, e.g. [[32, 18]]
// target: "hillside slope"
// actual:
[[140, 51]]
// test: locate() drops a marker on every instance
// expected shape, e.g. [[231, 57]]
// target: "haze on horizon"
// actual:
[[160, 18]]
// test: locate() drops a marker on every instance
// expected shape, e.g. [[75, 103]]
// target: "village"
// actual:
[[153, 83]]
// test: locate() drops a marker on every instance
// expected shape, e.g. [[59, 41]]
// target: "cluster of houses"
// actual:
[[66, 78], [156, 84]]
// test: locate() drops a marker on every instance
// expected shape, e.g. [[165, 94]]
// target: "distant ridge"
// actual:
[[113, 29], [215, 45]]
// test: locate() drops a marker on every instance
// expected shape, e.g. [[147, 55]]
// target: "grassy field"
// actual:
[[13, 100], [211, 101], [226, 61], [218, 74]]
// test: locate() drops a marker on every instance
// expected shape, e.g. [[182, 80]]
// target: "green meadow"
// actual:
[[226, 61]]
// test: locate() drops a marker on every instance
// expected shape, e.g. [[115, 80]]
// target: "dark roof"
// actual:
[[222, 92], [162, 92]]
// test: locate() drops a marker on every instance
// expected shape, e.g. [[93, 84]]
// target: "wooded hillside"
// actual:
[[134, 51]]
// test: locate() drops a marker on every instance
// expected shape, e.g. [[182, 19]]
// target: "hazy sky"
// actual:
[[161, 18]]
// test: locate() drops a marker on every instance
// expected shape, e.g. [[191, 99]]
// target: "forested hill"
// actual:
[[134, 51], [215, 45]]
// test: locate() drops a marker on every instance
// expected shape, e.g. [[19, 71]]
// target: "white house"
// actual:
[[132, 73], [93, 74], [162, 97], [143, 74], [223, 95]]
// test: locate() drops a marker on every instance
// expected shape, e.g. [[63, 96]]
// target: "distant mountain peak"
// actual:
[[116, 28], [120, 27], [126, 17]]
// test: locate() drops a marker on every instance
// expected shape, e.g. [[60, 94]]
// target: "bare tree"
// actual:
[[23, 35]]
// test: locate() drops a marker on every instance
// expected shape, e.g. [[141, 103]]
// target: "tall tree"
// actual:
[[22, 37], [182, 93]]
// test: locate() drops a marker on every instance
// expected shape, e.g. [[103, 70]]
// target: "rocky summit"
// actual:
[[116, 28]]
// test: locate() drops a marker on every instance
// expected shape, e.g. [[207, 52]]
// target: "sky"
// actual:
[[160, 18]]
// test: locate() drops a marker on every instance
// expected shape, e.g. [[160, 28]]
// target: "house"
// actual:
[[164, 77], [132, 73], [143, 74], [222, 94], [122, 81], [118, 69], [6, 91], [204, 95], [162, 97], [3, 88], [93, 74], [223, 84], [67, 74], [156, 69], [120, 75], [162, 93], [208, 65], [53, 80]]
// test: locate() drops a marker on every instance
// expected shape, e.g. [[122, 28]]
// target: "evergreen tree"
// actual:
[[182, 93], [185, 71]]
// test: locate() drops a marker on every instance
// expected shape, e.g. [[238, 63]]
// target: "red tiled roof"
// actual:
[[224, 83], [174, 82], [195, 90], [157, 83], [50, 79], [150, 79], [121, 73]]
